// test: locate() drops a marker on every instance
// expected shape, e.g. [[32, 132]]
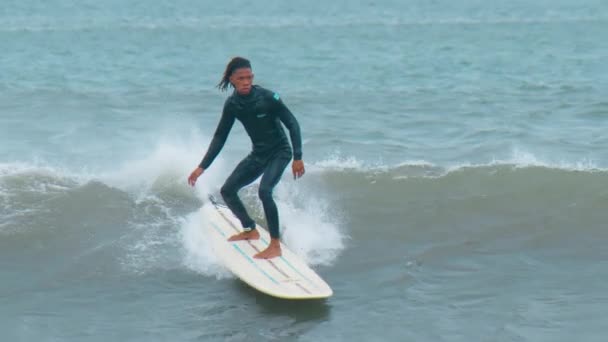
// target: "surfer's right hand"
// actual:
[[194, 175]]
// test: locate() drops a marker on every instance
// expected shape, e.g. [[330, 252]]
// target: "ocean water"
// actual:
[[456, 185]]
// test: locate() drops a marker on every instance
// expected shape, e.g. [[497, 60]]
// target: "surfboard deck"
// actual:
[[287, 276]]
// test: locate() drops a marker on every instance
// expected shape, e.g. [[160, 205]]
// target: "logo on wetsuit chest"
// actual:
[[261, 115]]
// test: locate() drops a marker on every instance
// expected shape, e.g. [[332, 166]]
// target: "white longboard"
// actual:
[[286, 276]]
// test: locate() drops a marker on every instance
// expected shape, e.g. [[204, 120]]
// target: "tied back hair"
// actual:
[[235, 63]]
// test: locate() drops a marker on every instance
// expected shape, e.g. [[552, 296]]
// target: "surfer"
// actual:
[[261, 112]]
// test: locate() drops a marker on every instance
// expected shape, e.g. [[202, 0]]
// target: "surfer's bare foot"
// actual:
[[273, 250], [250, 235]]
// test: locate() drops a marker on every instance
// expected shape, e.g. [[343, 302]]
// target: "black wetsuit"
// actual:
[[261, 113]]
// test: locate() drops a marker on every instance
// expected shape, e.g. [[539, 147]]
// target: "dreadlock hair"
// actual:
[[235, 63]]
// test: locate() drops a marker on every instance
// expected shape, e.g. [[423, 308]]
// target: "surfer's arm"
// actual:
[[219, 137], [290, 121]]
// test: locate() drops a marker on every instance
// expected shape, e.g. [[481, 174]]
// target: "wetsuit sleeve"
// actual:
[[289, 120], [219, 138]]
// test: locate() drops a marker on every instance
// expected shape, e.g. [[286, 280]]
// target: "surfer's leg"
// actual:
[[272, 175], [244, 174]]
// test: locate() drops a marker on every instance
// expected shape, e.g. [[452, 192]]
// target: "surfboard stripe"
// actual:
[[300, 273], [293, 268], [303, 288], [270, 261], [257, 250], [254, 264], [219, 230]]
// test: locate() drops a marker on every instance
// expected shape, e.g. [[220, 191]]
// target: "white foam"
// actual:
[[168, 160], [310, 226], [338, 163], [524, 159], [168, 166], [37, 167], [417, 162], [198, 254], [518, 158]]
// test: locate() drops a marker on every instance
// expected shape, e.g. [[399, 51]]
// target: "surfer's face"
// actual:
[[242, 80]]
